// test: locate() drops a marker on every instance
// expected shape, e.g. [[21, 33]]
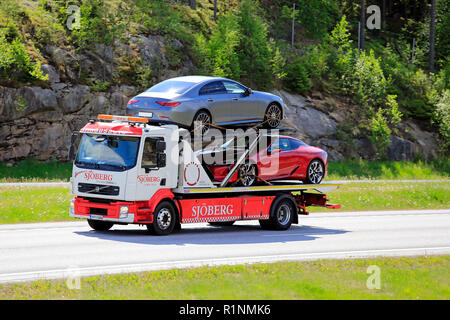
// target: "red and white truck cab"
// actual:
[[127, 171]]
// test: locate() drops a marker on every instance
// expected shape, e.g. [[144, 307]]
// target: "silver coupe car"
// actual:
[[210, 100]]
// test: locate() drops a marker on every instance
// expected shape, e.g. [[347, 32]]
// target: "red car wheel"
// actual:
[[315, 172], [247, 174]]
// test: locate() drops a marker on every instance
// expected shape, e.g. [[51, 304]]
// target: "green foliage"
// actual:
[[297, 78], [340, 36], [383, 123], [389, 170], [100, 86], [161, 17], [368, 82], [315, 17], [394, 114], [98, 24], [278, 62], [144, 77], [239, 48], [316, 61], [353, 73], [380, 132], [441, 117], [219, 52], [15, 62], [253, 51]]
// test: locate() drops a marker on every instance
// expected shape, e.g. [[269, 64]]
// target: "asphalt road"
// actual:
[[67, 249]]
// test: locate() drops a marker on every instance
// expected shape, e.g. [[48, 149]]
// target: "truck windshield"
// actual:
[[107, 152]]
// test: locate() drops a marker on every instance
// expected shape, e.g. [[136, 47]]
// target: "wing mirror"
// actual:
[[160, 160], [274, 151], [71, 155], [160, 146], [248, 92]]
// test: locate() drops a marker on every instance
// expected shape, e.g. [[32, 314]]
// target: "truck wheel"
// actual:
[[281, 214], [221, 223], [164, 219], [100, 225]]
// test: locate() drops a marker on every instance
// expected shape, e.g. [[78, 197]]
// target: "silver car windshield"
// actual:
[[107, 152], [170, 86]]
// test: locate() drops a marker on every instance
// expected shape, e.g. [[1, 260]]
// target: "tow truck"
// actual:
[[130, 171]]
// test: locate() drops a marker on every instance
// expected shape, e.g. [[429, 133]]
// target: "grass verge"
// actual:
[[41, 204], [391, 196], [362, 169], [34, 204], [34, 171], [423, 277]]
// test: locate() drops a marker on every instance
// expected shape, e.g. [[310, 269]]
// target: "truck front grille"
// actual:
[[99, 211], [98, 189]]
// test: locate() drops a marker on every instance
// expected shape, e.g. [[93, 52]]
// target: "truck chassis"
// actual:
[[276, 207]]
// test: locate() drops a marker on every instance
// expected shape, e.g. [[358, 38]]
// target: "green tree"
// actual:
[[254, 50], [218, 54], [380, 132], [297, 78]]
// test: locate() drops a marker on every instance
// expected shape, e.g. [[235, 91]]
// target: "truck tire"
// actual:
[[222, 223], [282, 213], [164, 219], [100, 225]]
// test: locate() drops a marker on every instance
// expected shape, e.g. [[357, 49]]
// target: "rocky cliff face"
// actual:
[[38, 122], [321, 121]]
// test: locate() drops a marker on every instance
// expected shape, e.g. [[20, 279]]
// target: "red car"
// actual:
[[285, 158]]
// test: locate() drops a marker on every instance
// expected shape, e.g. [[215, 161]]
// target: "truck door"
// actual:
[[152, 170]]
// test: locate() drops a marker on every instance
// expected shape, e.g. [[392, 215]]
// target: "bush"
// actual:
[[239, 48], [253, 51], [441, 117], [219, 52], [278, 64], [367, 80], [380, 133], [297, 78], [316, 17], [15, 63], [98, 24]]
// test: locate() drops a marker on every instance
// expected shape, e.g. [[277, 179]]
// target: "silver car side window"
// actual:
[[215, 87], [233, 87]]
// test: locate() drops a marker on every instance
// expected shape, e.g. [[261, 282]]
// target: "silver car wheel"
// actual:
[[315, 172], [205, 120], [164, 219], [273, 115]]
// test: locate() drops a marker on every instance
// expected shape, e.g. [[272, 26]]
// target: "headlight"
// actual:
[[123, 212], [72, 207]]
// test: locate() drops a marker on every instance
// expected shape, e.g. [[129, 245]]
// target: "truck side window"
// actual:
[[149, 158]]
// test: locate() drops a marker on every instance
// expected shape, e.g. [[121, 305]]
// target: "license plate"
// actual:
[[95, 217], [145, 114]]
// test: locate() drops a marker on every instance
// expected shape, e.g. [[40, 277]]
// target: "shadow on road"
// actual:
[[209, 235]]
